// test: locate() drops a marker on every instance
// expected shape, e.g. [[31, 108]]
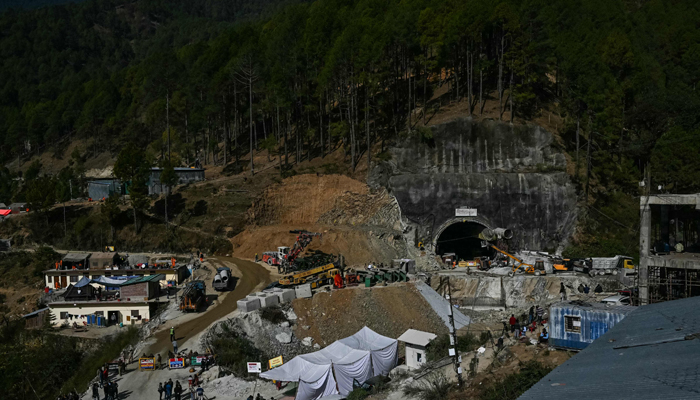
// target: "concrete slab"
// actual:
[[248, 304]]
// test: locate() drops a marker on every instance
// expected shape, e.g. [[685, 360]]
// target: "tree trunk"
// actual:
[[511, 95], [223, 98], [500, 81], [481, 91], [187, 137], [369, 144], [167, 117], [250, 103], [320, 124], [578, 130], [166, 207]]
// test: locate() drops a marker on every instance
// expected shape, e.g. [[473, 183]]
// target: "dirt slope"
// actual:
[[361, 224], [389, 311]]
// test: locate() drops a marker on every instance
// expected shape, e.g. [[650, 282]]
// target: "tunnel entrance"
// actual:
[[462, 238]]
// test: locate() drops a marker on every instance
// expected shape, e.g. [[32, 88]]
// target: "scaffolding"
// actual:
[[667, 283]]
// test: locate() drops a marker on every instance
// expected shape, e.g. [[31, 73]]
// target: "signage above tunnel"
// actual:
[[465, 212]]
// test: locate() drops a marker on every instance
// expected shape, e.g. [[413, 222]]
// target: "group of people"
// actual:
[[70, 396], [176, 392], [111, 389], [535, 317]]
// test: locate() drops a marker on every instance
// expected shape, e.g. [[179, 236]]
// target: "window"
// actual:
[[64, 314], [49, 279], [572, 324], [419, 357], [100, 313], [73, 278], [134, 313]]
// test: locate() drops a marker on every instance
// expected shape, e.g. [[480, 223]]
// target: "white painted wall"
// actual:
[[413, 353], [124, 309]]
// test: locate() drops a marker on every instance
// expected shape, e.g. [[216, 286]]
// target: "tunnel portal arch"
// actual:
[[459, 235]]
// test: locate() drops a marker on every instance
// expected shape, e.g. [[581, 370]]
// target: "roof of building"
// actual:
[[76, 257], [179, 169], [419, 338], [15, 205], [651, 354], [2, 205], [144, 279], [103, 256], [596, 306], [33, 313]]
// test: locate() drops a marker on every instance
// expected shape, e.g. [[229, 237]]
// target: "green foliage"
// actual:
[[435, 386], [513, 385], [233, 350], [357, 394], [609, 227], [675, 162], [14, 265], [273, 314], [438, 348]]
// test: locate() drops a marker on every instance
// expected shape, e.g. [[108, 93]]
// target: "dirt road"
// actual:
[[252, 275]]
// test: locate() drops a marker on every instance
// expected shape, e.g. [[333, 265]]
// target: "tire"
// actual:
[[614, 272], [269, 261], [592, 273], [538, 273]]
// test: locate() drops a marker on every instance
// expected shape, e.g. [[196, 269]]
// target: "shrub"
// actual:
[[358, 394], [513, 385], [273, 314], [434, 386]]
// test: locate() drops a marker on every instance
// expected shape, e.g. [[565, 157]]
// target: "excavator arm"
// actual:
[[304, 238], [517, 263]]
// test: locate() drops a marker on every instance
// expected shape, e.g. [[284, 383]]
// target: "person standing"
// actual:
[[172, 333], [159, 362], [562, 291], [160, 391], [168, 390], [175, 347], [95, 392], [512, 322], [540, 313], [101, 376], [178, 390], [200, 393], [531, 315]]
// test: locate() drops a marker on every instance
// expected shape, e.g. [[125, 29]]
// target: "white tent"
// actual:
[[333, 369]]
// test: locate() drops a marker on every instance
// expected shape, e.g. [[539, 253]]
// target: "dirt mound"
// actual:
[[361, 224], [389, 311], [302, 199], [359, 246]]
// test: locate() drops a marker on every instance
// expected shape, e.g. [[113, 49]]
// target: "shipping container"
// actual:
[[576, 324]]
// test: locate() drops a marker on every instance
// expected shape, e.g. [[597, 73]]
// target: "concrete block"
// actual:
[[248, 304], [303, 291], [268, 301], [286, 295]]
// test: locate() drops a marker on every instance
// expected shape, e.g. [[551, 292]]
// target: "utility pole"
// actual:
[[456, 358]]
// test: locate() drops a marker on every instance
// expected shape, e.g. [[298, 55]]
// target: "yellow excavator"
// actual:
[[537, 269]]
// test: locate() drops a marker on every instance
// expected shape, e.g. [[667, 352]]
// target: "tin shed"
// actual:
[[576, 324]]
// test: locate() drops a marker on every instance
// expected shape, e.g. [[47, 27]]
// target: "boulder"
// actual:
[[284, 337]]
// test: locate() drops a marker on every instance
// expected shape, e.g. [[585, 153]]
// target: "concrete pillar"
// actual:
[[644, 250]]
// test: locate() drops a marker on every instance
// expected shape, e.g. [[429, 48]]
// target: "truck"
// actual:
[[317, 276], [222, 279], [610, 265], [519, 265], [274, 258], [194, 296]]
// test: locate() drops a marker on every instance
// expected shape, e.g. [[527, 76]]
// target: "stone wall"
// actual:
[[512, 174]]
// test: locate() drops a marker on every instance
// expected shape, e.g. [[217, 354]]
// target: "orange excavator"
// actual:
[[537, 269]]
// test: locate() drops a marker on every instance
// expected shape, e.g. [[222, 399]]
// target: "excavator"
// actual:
[[286, 256], [537, 269]]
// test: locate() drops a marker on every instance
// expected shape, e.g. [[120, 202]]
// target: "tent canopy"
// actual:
[[360, 356]]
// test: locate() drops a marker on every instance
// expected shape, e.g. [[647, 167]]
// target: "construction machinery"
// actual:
[[284, 258], [537, 269], [317, 276], [222, 279], [194, 296]]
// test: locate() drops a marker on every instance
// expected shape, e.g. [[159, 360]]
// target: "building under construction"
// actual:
[[669, 243]]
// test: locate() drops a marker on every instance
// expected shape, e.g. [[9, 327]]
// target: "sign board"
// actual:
[[254, 368], [275, 362], [147, 363], [175, 363], [465, 212], [197, 360]]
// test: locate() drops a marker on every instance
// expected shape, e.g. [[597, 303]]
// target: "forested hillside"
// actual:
[[301, 77]]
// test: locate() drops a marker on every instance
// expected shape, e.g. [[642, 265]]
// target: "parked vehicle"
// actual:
[[222, 279]]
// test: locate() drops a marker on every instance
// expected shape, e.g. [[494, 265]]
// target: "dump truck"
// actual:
[[609, 265], [194, 296], [222, 279], [317, 276]]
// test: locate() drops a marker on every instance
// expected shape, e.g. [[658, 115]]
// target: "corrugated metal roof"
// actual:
[[645, 356], [598, 306], [142, 279], [35, 312], [76, 257], [419, 338]]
